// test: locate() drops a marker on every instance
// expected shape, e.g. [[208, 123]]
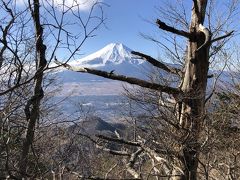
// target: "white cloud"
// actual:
[[83, 5]]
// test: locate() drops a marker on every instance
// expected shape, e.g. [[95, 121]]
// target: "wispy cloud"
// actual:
[[83, 5]]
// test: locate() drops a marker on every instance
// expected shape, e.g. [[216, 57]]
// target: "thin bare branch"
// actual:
[[131, 163], [117, 140], [111, 151], [110, 170], [222, 37], [165, 27], [5, 32], [158, 64], [96, 177]]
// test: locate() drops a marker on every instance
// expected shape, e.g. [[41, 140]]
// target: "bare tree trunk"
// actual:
[[194, 88], [32, 114]]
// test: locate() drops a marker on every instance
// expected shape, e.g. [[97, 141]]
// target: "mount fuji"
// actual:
[[112, 54], [114, 57]]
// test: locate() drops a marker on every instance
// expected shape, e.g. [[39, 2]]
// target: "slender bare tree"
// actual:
[[33, 114], [26, 29]]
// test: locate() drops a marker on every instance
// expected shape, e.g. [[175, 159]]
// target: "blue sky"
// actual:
[[126, 19]]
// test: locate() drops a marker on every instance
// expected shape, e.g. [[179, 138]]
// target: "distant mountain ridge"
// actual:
[[115, 57], [95, 125], [96, 93]]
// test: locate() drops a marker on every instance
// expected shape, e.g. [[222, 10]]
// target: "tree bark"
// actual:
[[32, 115], [194, 84]]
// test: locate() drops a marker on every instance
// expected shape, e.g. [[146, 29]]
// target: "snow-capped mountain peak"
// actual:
[[114, 53]]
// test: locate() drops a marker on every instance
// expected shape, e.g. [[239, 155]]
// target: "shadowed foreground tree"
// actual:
[[189, 96], [25, 58]]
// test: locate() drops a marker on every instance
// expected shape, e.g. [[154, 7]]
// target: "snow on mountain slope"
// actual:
[[112, 54], [113, 57]]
